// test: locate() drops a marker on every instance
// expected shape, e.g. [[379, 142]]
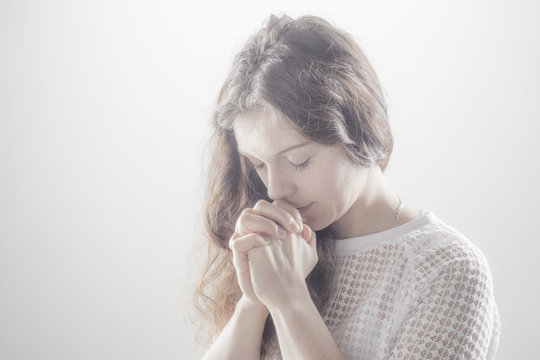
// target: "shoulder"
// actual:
[[446, 269], [438, 248], [449, 295]]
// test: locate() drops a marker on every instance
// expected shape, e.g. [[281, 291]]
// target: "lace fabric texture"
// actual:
[[419, 291]]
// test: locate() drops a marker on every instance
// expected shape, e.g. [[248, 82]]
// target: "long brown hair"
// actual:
[[315, 76]]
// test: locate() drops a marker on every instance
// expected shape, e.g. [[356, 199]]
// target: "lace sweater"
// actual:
[[421, 290]]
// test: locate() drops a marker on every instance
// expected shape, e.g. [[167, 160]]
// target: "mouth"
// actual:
[[304, 209]]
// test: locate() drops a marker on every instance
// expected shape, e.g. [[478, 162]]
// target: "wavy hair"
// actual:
[[317, 78]]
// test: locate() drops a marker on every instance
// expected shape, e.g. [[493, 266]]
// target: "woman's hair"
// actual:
[[318, 79]]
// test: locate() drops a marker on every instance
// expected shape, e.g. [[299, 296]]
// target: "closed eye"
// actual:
[[303, 165], [298, 167]]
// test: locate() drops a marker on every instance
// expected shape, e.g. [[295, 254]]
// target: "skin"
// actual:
[[274, 245], [367, 205]]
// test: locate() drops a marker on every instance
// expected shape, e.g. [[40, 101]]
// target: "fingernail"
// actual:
[[295, 225], [308, 233]]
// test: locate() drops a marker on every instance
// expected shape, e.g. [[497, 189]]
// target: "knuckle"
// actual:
[[244, 212], [250, 237], [255, 236], [242, 218], [259, 237], [238, 225], [282, 204], [233, 240], [260, 203], [277, 202]]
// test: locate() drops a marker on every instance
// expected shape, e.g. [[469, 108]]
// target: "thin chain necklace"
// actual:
[[398, 212]]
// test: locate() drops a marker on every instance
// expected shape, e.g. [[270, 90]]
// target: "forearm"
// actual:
[[302, 332], [241, 338]]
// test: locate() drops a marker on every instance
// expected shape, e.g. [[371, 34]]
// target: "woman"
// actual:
[[312, 255]]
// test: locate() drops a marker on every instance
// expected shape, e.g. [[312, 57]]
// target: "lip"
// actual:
[[305, 209]]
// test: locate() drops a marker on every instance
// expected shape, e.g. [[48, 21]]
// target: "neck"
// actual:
[[373, 208]]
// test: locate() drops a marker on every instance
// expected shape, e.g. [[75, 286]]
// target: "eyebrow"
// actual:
[[284, 150]]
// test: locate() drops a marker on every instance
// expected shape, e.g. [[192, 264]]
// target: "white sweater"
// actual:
[[421, 290]]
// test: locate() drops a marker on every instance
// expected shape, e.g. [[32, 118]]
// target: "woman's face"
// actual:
[[318, 180]]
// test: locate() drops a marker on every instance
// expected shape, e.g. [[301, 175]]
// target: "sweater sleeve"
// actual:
[[455, 316]]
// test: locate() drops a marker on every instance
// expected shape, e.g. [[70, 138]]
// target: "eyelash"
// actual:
[[299, 167]]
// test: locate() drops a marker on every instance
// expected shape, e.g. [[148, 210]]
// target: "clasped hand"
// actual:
[[273, 253]]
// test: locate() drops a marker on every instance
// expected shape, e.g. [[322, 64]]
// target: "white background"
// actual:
[[104, 110]]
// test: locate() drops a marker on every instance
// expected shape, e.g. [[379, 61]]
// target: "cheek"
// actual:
[[313, 183], [345, 176], [318, 186], [323, 185], [338, 184]]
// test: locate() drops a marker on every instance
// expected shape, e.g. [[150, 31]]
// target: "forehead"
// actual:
[[263, 134]]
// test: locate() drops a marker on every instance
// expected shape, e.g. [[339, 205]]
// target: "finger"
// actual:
[[233, 237], [309, 235], [241, 245], [238, 221], [251, 221], [247, 242], [258, 253], [240, 262], [281, 213], [292, 211]]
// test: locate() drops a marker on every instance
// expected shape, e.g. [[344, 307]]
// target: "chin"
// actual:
[[323, 223], [316, 224]]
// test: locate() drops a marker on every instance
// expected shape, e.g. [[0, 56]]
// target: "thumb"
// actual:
[[309, 235]]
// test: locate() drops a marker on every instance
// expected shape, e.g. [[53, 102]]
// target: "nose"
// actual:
[[278, 185]]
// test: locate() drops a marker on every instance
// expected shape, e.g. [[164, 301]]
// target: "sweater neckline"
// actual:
[[344, 246]]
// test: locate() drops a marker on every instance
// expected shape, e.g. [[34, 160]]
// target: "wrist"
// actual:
[[295, 296], [250, 306]]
